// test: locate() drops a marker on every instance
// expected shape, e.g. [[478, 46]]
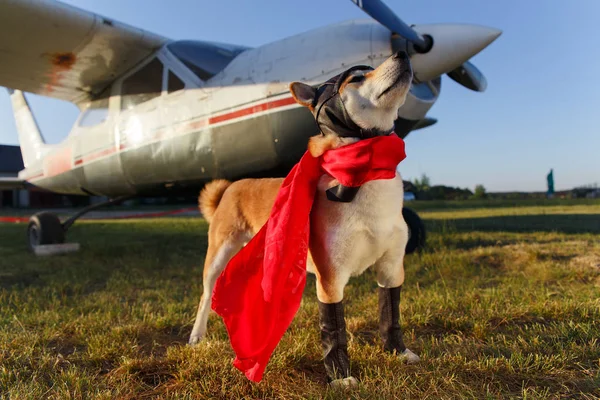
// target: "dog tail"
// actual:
[[210, 197]]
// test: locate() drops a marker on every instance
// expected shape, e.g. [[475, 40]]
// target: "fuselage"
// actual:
[[168, 125]]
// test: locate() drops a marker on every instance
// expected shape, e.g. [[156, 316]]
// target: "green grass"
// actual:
[[504, 303]]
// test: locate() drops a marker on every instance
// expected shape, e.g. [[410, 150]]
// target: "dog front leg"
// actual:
[[334, 338]]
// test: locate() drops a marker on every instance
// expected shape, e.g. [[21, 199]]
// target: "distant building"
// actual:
[[10, 165], [591, 191]]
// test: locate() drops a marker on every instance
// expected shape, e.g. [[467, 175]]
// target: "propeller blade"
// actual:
[[424, 123], [386, 17], [469, 76]]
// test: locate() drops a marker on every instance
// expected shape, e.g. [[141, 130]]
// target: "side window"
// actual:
[[95, 114], [142, 86], [174, 83]]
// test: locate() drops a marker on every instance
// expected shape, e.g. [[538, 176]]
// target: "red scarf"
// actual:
[[260, 290]]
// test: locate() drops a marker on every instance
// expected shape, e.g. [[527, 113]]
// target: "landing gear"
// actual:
[[45, 227], [416, 231]]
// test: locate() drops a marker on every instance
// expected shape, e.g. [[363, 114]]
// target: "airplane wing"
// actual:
[[12, 183], [57, 50]]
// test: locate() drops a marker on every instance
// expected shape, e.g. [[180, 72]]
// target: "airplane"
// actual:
[[161, 116]]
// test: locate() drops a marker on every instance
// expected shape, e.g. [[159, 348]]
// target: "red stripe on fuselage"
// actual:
[[251, 110], [95, 156]]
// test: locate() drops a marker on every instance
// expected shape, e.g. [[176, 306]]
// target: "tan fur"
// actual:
[[318, 145], [210, 197], [346, 82], [245, 206]]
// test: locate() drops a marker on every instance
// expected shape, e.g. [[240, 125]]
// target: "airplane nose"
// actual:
[[452, 46]]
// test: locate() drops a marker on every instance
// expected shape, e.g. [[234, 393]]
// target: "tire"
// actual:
[[416, 231], [44, 228]]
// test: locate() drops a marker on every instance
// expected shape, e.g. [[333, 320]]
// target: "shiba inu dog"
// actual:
[[351, 229]]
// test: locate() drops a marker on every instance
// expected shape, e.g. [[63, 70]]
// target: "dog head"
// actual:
[[361, 102]]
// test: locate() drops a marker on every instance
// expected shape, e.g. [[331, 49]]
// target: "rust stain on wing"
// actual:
[[61, 62]]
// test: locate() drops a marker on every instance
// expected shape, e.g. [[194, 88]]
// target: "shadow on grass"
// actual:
[[562, 223], [155, 342]]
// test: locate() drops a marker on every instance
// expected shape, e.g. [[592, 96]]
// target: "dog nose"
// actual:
[[401, 55]]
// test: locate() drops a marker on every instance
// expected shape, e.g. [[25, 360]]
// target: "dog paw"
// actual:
[[410, 357], [344, 383], [194, 339]]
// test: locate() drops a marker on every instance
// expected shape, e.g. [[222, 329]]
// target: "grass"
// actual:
[[504, 303]]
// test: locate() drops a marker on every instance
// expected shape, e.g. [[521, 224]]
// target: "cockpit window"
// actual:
[[203, 58], [174, 83], [143, 85]]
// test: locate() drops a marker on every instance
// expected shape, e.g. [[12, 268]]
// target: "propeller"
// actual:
[[386, 17], [469, 76], [466, 74]]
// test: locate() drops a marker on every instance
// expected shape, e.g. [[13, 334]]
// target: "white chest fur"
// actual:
[[357, 234]]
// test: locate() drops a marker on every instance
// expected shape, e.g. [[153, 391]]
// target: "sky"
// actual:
[[536, 114]]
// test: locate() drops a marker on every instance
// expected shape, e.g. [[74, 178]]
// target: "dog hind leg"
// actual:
[[215, 264]]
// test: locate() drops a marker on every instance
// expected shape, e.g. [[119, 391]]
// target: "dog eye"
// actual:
[[357, 78]]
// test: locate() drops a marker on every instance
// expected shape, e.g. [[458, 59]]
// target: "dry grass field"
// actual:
[[503, 303]]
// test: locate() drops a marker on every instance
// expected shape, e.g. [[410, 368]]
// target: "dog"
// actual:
[[346, 237]]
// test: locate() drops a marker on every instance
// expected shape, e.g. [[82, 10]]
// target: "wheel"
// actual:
[[416, 231], [44, 228]]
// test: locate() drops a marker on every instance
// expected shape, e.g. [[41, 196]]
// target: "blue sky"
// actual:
[[537, 113]]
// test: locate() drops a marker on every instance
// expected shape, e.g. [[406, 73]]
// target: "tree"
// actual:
[[422, 184], [480, 192]]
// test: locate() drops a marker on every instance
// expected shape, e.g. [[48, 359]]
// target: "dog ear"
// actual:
[[303, 94]]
